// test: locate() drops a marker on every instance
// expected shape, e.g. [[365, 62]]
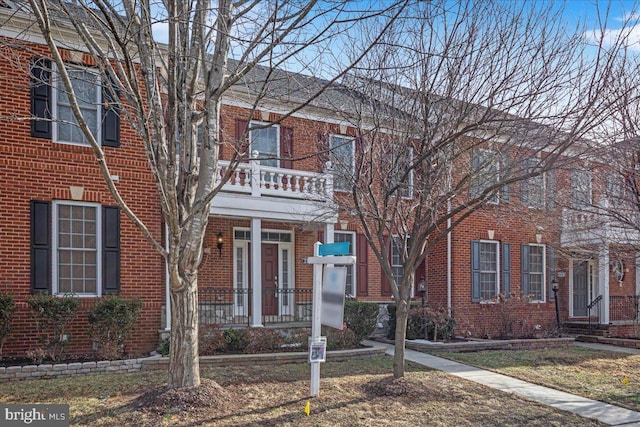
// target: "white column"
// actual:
[[328, 233], [256, 272], [603, 283]]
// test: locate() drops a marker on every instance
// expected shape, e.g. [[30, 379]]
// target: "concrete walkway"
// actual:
[[605, 413]]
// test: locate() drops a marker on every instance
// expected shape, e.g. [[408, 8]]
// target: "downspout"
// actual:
[[449, 257], [167, 310]]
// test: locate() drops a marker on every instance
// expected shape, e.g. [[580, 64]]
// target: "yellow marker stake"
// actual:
[[307, 408], [625, 381]]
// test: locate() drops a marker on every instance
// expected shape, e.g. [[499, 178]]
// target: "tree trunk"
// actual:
[[402, 314], [184, 365]]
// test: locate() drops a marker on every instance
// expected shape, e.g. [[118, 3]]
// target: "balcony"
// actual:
[[275, 193], [594, 226]]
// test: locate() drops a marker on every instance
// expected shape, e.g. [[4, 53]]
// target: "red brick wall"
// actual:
[[44, 170]]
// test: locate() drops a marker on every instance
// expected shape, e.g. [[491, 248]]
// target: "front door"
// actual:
[[580, 287], [269, 279]]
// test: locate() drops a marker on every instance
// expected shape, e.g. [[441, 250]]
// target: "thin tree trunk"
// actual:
[[184, 365], [402, 314]]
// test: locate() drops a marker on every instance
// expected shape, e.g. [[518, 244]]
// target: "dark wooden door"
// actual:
[[580, 289], [269, 279]]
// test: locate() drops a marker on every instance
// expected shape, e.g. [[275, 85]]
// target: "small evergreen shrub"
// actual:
[[361, 317], [52, 315], [211, 339], [341, 339], [235, 339], [438, 324], [391, 308], [111, 322], [163, 348], [7, 307]]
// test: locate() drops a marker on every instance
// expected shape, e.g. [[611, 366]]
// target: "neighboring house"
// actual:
[[63, 233]]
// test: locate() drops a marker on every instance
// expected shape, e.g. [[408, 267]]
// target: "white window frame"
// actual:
[[55, 113], [409, 178], [483, 184], [544, 272], [497, 271], [265, 125], [352, 266], [54, 246], [336, 172], [393, 240]]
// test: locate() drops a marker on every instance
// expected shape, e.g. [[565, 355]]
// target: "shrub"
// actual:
[[341, 339], [163, 347], [262, 340], [361, 317], [52, 315], [7, 307], [391, 308], [111, 321], [298, 339], [235, 340], [211, 339], [436, 321]]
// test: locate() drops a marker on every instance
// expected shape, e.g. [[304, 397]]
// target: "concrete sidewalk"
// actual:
[[609, 414]]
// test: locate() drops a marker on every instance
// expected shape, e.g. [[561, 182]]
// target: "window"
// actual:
[[580, 188], [88, 94], [348, 236], [397, 268], [266, 142], [532, 190], [401, 164], [490, 270], [77, 248], [485, 172], [342, 149], [533, 271]]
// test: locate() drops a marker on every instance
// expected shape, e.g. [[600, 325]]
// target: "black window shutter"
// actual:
[[110, 250], [41, 98], [551, 270], [524, 185], [110, 115], [286, 147], [362, 265], [40, 247], [524, 268], [475, 187], [475, 271], [506, 269]]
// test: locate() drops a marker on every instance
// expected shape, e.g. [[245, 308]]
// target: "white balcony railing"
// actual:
[[257, 180], [595, 226]]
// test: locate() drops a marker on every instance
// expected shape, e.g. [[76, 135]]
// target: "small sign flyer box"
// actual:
[[334, 279]]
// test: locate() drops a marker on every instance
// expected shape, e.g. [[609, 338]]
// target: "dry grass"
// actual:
[[609, 377], [355, 393]]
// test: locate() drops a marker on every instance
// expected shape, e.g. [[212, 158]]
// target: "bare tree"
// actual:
[[452, 102], [173, 92]]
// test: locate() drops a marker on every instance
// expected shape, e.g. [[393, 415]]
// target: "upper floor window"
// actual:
[[87, 90], [342, 158], [485, 174], [348, 236], [266, 141], [580, 188], [533, 268], [402, 170], [532, 190]]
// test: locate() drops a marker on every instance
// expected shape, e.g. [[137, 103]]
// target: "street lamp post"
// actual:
[[554, 288], [422, 289]]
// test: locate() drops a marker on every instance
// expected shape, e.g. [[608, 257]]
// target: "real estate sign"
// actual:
[[334, 280]]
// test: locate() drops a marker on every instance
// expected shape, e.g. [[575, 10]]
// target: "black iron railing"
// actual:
[[595, 303], [233, 306], [623, 307]]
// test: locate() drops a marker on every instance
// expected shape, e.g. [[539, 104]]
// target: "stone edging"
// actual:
[[16, 373], [480, 345], [619, 342]]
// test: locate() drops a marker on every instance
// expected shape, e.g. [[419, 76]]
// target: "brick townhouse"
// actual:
[[63, 233]]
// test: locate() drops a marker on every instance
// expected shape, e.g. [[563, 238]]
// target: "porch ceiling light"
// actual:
[[219, 243]]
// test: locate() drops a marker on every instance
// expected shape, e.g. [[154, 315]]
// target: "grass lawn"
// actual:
[[353, 393], [610, 377]]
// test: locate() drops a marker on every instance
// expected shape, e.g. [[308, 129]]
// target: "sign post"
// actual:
[[332, 253]]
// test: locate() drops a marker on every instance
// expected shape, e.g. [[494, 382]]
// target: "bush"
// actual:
[[211, 340], [341, 339], [436, 320], [391, 308], [298, 339], [361, 317], [52, 315], [7, 307], [262, 340], [235, 340], [111, 321], [163, 347]]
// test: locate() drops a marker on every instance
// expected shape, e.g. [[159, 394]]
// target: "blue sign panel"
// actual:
[[340, 248]]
